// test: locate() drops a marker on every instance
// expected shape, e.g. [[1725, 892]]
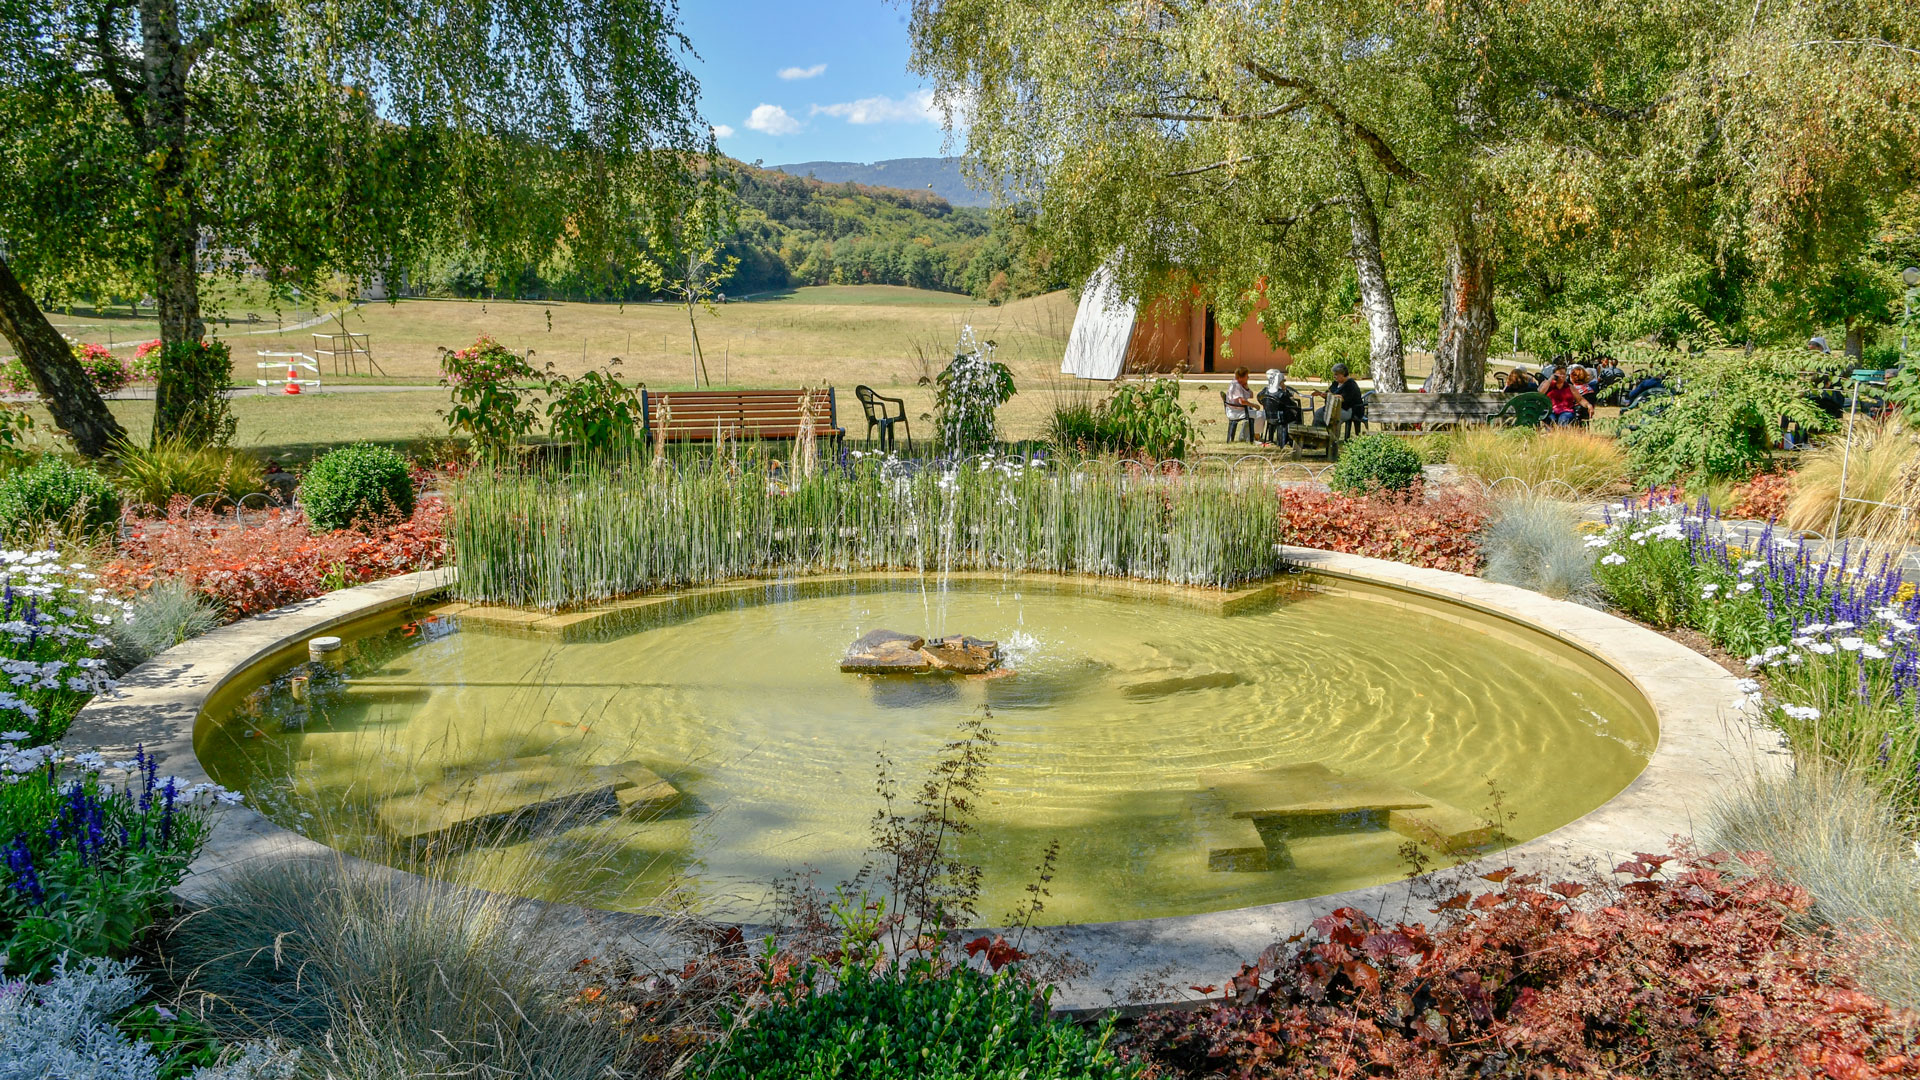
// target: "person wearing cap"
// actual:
[[1281, 405], [1353, 407]]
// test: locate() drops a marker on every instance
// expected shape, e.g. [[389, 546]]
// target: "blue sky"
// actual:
[[825, 80]]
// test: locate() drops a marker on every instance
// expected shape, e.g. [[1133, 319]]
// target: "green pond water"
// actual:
[[1123, 713]]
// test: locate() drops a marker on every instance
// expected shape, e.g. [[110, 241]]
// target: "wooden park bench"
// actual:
[[706, 415], [1431, 410], [1327, 434]]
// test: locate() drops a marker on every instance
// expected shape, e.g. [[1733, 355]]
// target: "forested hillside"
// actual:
[[796, 230]]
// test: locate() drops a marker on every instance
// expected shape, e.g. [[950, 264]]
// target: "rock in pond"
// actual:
[[889, 652]]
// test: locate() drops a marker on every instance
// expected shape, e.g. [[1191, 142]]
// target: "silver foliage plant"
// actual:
[[60, 1030]]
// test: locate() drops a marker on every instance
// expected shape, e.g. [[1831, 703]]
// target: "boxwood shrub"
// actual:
[[55, 493], [914, 1023], [1377, 462], [356, 484]]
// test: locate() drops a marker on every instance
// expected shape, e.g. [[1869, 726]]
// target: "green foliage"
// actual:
[[152, 476], [56, 495], [594, 412], [966, 396], [913, 1023], [192, 405], [558, 537], [89, 865], [1375, 463], [356, 486], [16, 436], [490, 404], [1723, 422], [1148, 419]]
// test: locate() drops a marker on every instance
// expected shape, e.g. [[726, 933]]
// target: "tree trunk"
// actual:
[[173, 220], [1466, 319], [1856, 339], [1386, 357], [71, 397]]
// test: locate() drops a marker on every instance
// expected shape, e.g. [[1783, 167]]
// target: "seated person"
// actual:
[[1566, 405], [1519, 382], [1582, 384], [1239, 405], [1641, 389], [1353, 407], [1281, 405], [1605, 377]]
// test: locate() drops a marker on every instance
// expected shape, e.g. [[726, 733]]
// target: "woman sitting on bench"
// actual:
[[1239, 402]]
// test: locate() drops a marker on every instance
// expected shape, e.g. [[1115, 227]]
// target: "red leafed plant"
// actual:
[[274, 559], [1704, 973], [1435, 531], [1763, 498]]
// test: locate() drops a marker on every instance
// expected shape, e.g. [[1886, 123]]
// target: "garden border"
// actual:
[[1704, 750]]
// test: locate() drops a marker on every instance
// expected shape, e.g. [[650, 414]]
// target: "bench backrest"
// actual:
[[698, 414], [1432, 408]]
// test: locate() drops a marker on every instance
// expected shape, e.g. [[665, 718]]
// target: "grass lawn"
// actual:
[[887, 337]]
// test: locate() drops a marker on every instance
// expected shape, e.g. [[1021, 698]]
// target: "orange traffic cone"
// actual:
[[293, 382]]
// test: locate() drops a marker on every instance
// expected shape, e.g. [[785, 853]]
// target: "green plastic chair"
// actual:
[[1523, 410]]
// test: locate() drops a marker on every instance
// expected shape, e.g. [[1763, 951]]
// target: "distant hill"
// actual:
[[912, 174]]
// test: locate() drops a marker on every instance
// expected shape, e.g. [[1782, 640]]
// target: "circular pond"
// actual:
[[708, 746]]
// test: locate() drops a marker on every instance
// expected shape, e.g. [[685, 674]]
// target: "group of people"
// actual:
[[1278, 404], [1572, 390]]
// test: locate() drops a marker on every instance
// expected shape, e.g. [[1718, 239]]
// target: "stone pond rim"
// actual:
[[1704, 751]]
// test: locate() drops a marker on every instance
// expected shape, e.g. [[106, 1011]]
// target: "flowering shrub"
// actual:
[[107, 371], [146, 360], [1701, 974], [87, 865], [966, 395], [274, 560], [1835, 634], [489, 404], [52, 633], [1438, 532]]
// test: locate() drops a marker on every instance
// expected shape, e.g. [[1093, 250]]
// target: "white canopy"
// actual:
[[1097, 348]]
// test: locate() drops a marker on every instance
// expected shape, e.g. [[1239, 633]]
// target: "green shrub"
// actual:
[[54, 494], [1148, 419], [194, 406], [356, 484], [966, 396], [913, 1023], [491, 403], [1378, 462]]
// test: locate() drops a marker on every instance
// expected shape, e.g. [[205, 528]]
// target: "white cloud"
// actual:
[[722, 131], [917, 107], [772, 120], [803, 72]]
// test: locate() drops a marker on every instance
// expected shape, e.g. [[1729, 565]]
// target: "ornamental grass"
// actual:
[[560, 536], [1570, 462]]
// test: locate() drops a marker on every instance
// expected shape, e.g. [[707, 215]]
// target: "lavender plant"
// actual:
[[1836, 635], [86, 865]]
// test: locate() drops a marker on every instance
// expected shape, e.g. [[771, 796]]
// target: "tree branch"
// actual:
[[1286, 224], [1382, 152], [1226, 164], [1870, 43], [1227, 118], [217, 33], [126, 93], [1599, 108]]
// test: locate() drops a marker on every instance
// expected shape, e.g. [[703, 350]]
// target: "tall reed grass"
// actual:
[[561, 536]]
